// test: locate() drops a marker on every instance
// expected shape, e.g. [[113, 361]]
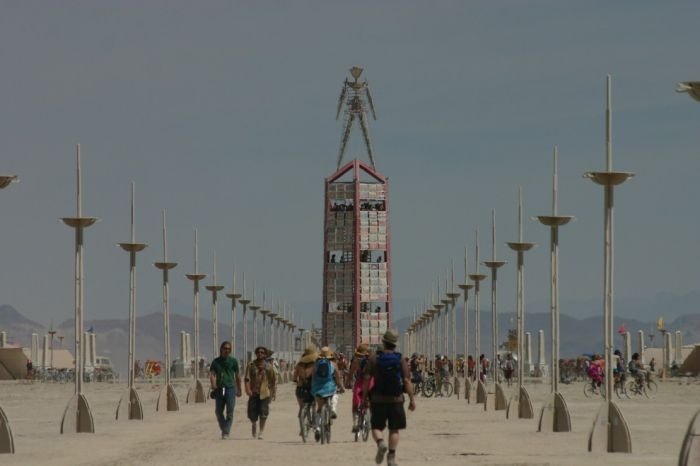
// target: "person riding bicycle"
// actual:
[[438, 373], [620, 368], [302, 377], [636, 369], [595, 371], [325, 382], [357, 371]]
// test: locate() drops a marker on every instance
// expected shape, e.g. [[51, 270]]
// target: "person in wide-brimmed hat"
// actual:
[[325, 383], [261, 387], [392, 379], [302, 376], [356, 371]]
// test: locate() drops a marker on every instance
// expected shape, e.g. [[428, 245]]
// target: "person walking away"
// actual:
[[223, 374], [357, 370], [260, 386], [325, 382], [444, 372], [392, 379], [508, 369], [485, 364]]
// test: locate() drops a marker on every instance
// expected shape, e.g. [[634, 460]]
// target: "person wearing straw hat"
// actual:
[[325, 382], [357, 372], [392, 379], [260, 386], [302, 376]]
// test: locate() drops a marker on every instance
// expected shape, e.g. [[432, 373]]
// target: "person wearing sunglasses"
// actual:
[[223, 374]]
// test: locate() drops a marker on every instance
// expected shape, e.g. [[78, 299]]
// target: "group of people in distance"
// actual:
[[595, 369], [379, 380]]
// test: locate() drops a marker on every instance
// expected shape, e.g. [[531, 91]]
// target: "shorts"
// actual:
[[392, 414], [258, 408], [304, 394]]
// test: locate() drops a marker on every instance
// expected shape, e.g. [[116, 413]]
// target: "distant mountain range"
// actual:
[[578, 335]]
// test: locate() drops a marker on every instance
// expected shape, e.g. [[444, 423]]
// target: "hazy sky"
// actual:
[[223, 113]]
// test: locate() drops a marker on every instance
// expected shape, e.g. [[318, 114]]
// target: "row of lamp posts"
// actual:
[[610, 431]]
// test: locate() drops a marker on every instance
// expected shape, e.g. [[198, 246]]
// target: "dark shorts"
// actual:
[[258, 408], [392, 414], [304, 394]]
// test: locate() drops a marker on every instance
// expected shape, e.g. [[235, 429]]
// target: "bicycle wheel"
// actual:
[[428, 389], [305, 421], [446, 389], [651, 389], [365, 425], [589, 390], [325, 423], [620, 389], [633, 389]]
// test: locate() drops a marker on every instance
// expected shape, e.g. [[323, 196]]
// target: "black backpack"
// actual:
[[388, 379]]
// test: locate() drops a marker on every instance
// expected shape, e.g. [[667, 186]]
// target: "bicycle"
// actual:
[[638, 386], [363, 424], [325, 422], [620, 385], [591, 388], [306, 419], [445, 388]]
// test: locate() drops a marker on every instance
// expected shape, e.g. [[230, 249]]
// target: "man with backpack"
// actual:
[[325, 381], [392, 379]]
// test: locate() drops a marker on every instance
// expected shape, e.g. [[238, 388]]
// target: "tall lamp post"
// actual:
[[690, 451], [171, 401], [245, 302], [77, 416], [233, 296], [196, 392], [494, 265], [215, 288], [612, 424], [131, 400], [7, 443], [465, 287], [477, 278], [555, 413], [521, 247]]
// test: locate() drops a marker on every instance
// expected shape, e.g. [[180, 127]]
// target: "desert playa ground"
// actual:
[[441, 431]]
